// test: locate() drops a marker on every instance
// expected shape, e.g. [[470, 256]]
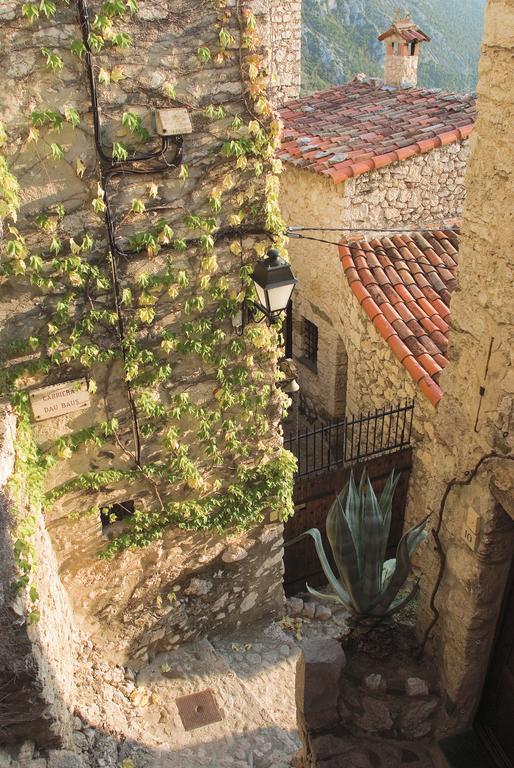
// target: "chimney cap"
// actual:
[[404, 27]]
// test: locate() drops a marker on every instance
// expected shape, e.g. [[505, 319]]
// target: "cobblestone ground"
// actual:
[[130, 720]]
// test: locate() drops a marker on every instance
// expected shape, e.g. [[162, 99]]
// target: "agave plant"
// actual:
[[358, 529]]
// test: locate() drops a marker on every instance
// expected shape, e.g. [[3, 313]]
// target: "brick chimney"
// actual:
[[403, 40]]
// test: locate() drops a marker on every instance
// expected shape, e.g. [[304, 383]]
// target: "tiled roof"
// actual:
[[404, 284], [353, 128]]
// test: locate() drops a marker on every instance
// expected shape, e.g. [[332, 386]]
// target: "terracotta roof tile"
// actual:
[[441, 324], [414, 368], [370, 308], [377, 294], [356, 127], [414, 325]]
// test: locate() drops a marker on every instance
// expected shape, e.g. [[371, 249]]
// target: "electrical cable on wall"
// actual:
[[109, 168], [150, 163]]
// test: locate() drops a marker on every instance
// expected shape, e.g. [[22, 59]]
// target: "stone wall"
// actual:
[[36, 662], [286, 53], [357, 371], [473, 439], [162, 70], [364, 703], [175, 590], [320, 294], [421, 191]]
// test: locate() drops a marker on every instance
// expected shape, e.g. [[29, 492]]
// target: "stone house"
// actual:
[[463, 474], [370, 157], [466, 481], [128, 215], [463, 477]]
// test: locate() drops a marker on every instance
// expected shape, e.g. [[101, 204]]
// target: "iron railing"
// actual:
[[355, 439]]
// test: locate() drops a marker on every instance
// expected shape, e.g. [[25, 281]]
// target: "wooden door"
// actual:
[[496, 714]]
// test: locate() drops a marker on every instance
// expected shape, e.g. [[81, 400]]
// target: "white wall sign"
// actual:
[[59, 399]]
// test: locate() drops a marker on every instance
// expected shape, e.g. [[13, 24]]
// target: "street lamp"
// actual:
[[274, 283]]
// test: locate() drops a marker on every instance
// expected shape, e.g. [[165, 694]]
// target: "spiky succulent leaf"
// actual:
[[358, 528], [408, 543], [386, 506], [338, 588], [371, 546], [343, 548], [387, 571], [401, 602], [352, 511], [327, 596]]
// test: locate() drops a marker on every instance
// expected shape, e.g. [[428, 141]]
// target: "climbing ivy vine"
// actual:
[[209, 465]]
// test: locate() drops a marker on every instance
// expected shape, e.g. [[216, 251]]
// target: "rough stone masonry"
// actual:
[[186, 584]]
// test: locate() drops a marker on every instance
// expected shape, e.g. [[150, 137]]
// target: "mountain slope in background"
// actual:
[[339, 40]]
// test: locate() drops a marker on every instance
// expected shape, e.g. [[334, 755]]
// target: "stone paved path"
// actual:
[[129, 720]]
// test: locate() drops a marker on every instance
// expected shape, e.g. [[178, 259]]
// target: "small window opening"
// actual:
[[413, 48], [310, 343], [116, 512], [394, 49]]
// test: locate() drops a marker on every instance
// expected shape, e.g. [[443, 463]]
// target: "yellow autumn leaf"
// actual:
[[117, 74], [79, 168], [74, 247], [152, 190], [104, 76], [228, 181]]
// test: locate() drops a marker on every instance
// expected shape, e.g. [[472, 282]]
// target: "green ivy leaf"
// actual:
[[122, 40], [134, 124], [30, 11], [204, 55], [72, 116], [78, 48], [47, 8], [53, 61]]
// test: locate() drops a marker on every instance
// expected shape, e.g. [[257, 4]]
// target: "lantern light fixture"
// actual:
[[274, 283]]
